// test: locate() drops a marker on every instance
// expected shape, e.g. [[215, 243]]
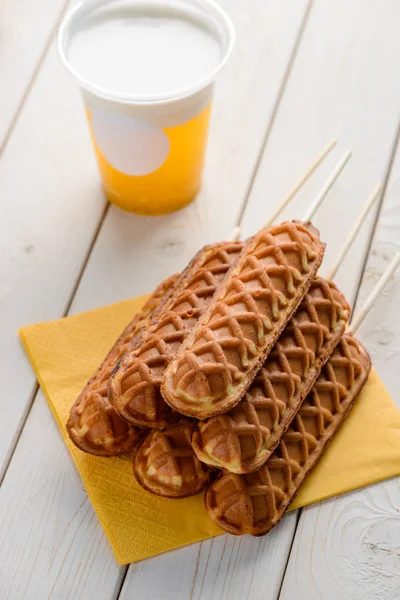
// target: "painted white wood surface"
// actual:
[[224, 568], [26, 27], [52, 545], [342, 86], [51, 205], [349, 547], [126, 261]]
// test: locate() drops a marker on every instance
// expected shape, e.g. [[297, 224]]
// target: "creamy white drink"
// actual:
[[144, 50]]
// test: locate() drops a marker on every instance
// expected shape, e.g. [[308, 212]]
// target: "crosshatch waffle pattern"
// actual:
[[242, 439], [94, 426], [255, 502], [220, 359], [135, 386], [165, 463]]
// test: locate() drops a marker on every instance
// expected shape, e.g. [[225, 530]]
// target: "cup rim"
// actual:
[[128, 98]]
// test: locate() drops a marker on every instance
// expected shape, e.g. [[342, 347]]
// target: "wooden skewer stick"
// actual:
[[360, 316], [327, 186], [376, 194], [235, 235], [306, 176]]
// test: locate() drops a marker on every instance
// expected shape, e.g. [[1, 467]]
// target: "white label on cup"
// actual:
[[131, 146]]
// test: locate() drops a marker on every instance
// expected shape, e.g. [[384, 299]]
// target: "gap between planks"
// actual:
[[280, 94], [395, 149]]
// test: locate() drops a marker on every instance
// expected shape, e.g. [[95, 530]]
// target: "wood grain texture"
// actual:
[[51, 206], [24, 37], [349, 547], [52, 545], [226, 568], [132, 255]]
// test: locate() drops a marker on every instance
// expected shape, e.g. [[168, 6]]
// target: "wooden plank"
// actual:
[[51, 207], [342, 86], [131, 255], [24, 38], [52, 545], [225, 568], [348, 547]]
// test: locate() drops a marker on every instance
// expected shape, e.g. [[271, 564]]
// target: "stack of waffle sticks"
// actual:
[[234, 378]]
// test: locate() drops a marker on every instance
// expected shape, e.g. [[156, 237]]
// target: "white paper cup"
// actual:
[[149, 146]]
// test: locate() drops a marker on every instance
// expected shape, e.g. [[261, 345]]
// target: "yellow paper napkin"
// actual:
[[65, 353]]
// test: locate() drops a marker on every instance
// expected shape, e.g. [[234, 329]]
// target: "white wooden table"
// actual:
[[303, 73]]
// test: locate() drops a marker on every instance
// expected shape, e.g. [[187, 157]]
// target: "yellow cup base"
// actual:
[[171, 186], [148, 207]]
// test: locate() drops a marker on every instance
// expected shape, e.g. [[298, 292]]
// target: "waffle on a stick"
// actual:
[[135, 386], [220, 358], [254, 503], [166, 465], [241, 440], [94, 426]]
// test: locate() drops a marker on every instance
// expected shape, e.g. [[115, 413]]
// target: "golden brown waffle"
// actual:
[[93, 425], [242, 439], [135, 385], [220, 358], [255, 502], [166, 465]]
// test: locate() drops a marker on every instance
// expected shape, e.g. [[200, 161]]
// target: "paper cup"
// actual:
[[149, 147]]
